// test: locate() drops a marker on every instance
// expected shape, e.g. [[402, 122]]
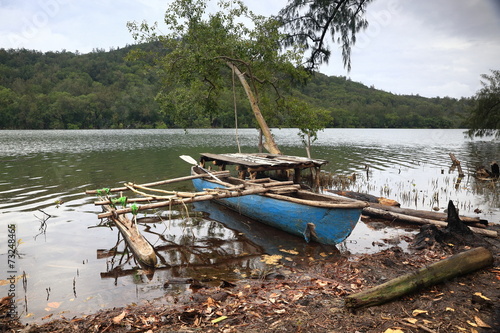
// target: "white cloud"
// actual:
[[431, 48], [436, 48]]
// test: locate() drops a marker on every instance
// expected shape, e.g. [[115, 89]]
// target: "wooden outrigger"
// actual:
[[322, 218], [147, 196], [141, 248], [283, 204]]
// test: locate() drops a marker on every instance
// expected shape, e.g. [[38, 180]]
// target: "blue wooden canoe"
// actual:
[[321, 218]]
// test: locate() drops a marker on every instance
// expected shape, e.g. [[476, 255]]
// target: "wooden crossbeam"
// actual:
[[167, 181]]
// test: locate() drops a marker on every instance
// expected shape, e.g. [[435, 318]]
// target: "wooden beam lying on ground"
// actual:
[[381, 213], [438, 216], [459, 264], [379, 203]]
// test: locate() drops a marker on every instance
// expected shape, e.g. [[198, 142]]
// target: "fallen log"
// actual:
[[382, 213], [372, 199], [393, 206], [438, 216], [459, 264]]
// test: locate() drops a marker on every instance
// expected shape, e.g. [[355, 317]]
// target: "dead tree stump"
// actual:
[[456, 233], [495, 169], [455, 225], [456, 163]]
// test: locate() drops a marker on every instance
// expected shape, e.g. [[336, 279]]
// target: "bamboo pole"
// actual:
[[459, 264], [150, 198], [129, 200], [316, 202], [418, 220], [133, 186], [167, 181], [278, 183], [172, 202], [285, 189]]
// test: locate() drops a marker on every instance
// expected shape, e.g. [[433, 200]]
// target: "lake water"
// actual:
[[72, 266]]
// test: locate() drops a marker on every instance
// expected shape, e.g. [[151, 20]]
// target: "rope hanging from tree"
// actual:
[[235, 114]]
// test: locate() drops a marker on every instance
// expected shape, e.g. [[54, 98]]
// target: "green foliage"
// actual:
[[8, 107], [352, 104], [307, 119], [485, 116], [205, 48], [70, 91], [309, 22], [103, 191], [122, 201], [36, 92], [134, 209]]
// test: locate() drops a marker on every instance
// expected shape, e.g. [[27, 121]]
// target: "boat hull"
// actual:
[[325, 225]]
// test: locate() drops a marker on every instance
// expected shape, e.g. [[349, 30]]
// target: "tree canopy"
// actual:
[[265, 54], [208, 50], [309, 22], [485, 116]]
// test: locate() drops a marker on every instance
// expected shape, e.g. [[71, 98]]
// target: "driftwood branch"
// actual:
[[456, 163], [459, 264]]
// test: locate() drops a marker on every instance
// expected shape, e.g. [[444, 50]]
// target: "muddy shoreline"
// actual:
[[311, 299]]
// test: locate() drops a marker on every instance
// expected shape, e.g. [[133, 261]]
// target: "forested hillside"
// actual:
[[64, 90], [355, 105]]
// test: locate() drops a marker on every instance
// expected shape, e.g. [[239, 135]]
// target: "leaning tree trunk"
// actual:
[[270, 144]]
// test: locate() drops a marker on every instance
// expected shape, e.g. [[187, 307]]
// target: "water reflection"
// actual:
[[213, 244], [203, 249]]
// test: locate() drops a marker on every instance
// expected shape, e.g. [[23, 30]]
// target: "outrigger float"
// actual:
[[282, 204]]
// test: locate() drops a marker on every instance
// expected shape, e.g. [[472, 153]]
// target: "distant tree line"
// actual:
[[353, 104], [64, 90], [103, 89]]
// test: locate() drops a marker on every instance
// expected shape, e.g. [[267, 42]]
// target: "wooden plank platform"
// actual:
[[262, 160], [258, 162]]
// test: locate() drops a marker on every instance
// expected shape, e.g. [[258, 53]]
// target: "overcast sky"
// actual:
[[426, 47]]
